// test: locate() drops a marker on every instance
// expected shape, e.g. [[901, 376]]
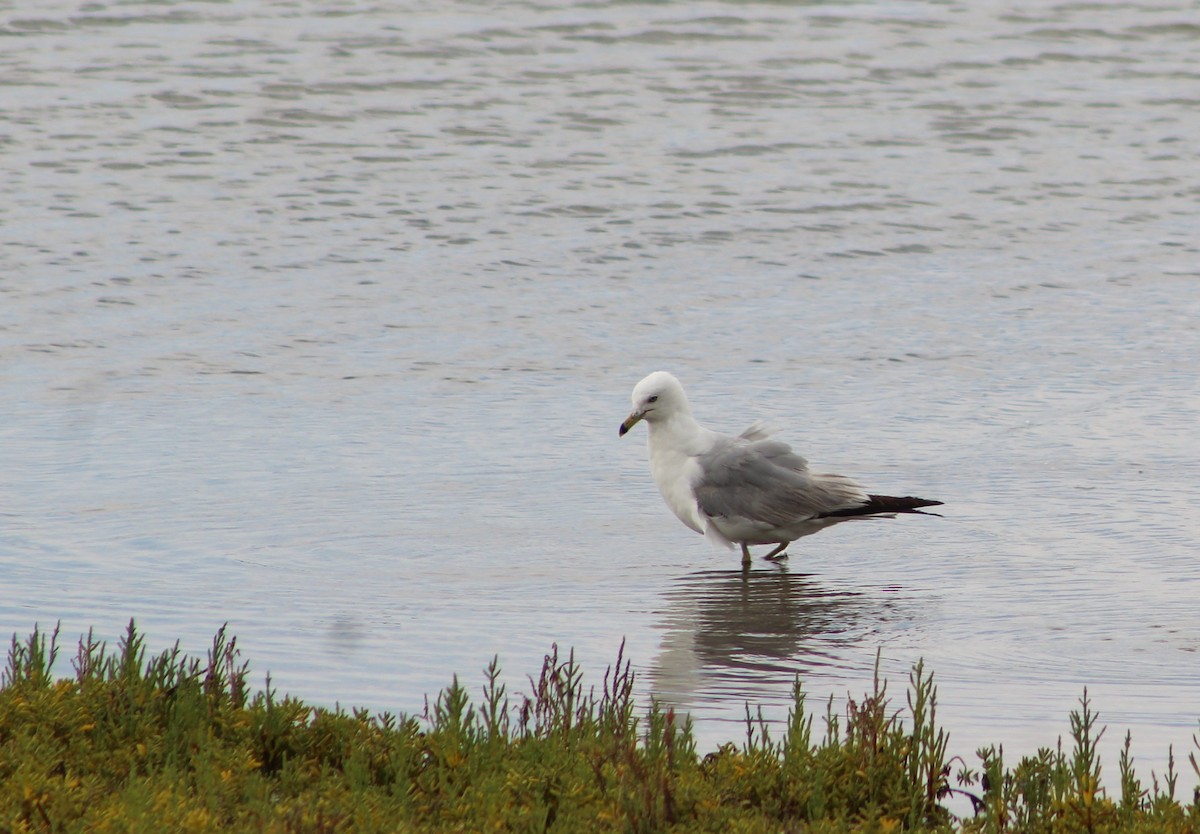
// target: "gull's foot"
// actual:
[[776, 557]]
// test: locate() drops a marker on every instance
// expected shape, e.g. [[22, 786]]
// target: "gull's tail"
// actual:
[[885, 504]]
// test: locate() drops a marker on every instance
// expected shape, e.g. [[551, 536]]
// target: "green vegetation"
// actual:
[[166, 743]]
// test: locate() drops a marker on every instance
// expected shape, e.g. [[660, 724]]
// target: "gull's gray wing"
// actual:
[[765, 481], [758, 430]]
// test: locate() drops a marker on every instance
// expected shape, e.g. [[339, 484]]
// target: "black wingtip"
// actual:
[[877, 504]]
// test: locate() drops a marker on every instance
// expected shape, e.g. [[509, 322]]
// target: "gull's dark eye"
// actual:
[[653, 399]]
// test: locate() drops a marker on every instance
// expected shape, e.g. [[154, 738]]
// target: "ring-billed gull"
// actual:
[[747, 489]]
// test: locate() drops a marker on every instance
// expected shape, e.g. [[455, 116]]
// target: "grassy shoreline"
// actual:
[[134, 743]]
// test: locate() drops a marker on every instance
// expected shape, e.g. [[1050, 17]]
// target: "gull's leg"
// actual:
[[745, 556], [777, 554]]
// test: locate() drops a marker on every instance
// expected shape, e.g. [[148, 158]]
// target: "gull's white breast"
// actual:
[[675, 471]]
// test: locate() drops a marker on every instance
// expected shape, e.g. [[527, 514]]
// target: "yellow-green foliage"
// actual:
[[172, 744]]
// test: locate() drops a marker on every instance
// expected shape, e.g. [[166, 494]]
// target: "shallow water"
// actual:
[[319, 320]]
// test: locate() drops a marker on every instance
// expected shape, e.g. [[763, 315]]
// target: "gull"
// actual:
[[746, 489]]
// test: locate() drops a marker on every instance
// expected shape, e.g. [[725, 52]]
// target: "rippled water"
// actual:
[[319, 319]]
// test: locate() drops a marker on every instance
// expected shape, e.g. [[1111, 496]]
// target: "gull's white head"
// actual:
[[657, 397]]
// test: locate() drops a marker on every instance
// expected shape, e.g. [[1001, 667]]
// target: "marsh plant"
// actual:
[[133, 742]]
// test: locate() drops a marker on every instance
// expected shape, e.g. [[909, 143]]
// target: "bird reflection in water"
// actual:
[[744, 635]]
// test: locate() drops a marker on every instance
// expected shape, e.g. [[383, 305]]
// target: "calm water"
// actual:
[[319, 320]]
